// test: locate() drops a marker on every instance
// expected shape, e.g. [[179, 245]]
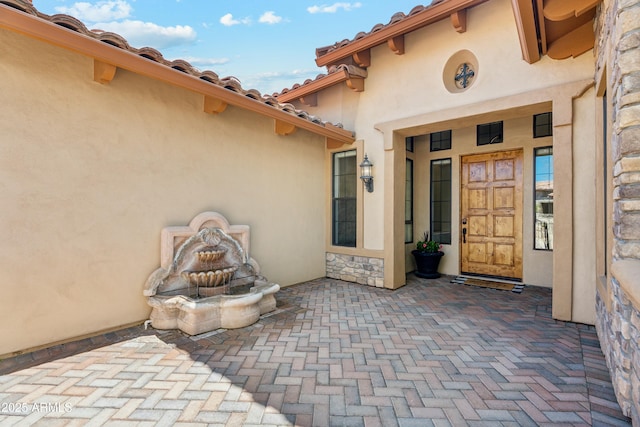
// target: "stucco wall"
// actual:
[[91, 173]]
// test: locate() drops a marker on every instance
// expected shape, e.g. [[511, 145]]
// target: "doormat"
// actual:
[[469, 281]]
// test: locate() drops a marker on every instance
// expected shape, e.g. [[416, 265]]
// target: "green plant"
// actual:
[[426, 245]]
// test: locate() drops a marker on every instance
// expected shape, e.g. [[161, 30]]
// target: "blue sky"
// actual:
[[268, 45]]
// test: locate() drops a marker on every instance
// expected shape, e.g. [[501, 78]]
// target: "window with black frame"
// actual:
[[344, 196], [489, 133], [543, 198], [408, 203], [441, 201], [542, 125]]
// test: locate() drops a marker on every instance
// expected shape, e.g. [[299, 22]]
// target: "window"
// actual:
[[344, 192], [542, 125], [409, 143], [440, 140], [408, 203], [544, 198], [490, 133], [441, 200]]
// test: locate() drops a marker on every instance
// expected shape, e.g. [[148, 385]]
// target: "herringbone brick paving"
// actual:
[[432, 353]]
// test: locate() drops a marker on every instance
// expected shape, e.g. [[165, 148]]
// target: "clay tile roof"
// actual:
[[397, 17], [399, 25], [115, 40], [335, 74]]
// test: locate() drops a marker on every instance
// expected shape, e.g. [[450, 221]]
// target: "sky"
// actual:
[[268, 45]]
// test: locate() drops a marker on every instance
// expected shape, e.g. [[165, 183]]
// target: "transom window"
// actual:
[[542, 125], [489, 133], [440, 140]]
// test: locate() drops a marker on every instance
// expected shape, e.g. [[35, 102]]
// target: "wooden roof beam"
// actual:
[[284, 128], [559, 10], [103, 72], [310, 100], [527, 32], [214, 105], [356, 84], [363, 58], [459, 20], [396, 44]]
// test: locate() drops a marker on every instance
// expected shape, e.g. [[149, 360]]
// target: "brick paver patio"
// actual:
[[432, 353]]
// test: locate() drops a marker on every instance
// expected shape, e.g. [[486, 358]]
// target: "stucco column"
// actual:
[[394, 182], [562, 209]]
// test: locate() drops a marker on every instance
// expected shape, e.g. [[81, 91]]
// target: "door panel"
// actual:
[[491, 210]]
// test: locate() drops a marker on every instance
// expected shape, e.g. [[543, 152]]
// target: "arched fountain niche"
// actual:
[[206, 278]]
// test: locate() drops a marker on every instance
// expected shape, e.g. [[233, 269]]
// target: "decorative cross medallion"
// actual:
[[464, 75]]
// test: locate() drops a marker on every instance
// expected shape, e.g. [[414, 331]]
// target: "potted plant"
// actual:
[[427, 255]]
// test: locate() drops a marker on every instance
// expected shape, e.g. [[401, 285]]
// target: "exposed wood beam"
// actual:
[[431, 14], [48, 32], [541, 26], [396, 44], [284, 128], [573, 44], [214, 105], [356, 84], [459, 20], [526, 24], [559, 10], [342, 74], [310, 100], [363, 58], [103, 72], [332, 144]]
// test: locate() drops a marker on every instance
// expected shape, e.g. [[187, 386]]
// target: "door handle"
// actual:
[[464, 235]]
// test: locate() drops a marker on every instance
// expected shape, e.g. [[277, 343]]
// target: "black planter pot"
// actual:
[[427, 263]]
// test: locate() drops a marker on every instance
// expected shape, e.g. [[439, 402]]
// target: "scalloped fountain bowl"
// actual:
[[206, 280]]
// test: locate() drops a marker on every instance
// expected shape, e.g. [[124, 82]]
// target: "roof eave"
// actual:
[[37, 28], [430, 15]]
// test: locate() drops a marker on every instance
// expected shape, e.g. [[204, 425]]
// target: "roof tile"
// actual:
[[230, 83]]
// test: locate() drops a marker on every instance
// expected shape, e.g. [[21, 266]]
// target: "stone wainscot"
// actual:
[[358, 269]]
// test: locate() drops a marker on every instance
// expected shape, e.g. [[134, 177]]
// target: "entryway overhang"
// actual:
[[558, 28], [559, 99]]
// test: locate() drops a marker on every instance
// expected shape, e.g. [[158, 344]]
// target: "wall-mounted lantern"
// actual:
[[365, 173]]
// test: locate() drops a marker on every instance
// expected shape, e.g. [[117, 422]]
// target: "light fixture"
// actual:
[[365, 174]]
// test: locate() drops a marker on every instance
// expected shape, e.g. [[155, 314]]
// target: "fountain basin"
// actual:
[[197, 316]]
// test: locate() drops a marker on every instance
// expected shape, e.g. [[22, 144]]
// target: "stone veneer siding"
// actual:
[[618, 309], [359, 269], [619, 331]]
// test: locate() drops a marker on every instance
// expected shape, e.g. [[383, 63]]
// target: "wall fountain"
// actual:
[[206, 278]]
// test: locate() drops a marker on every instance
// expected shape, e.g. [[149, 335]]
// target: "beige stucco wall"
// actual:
[[91, 173], [585, 209]]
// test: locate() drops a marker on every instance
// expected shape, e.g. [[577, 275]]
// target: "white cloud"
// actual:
[[140, 34], [228, 20], [99, 12], [333, 8], [204, 63], [270, 18]]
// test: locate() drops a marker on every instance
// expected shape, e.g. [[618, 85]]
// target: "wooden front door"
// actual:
[[491, 214]]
